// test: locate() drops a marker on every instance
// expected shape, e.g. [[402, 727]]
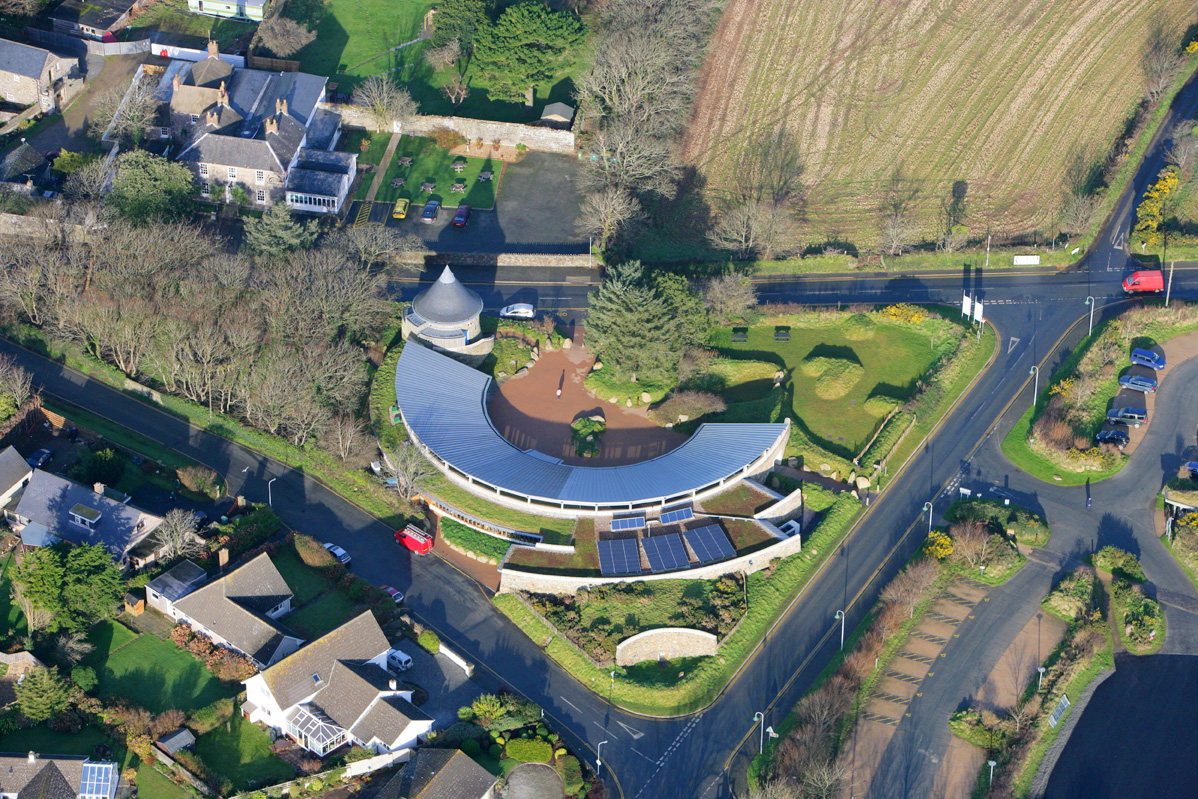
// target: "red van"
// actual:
[[1150, 280], [414, 539]]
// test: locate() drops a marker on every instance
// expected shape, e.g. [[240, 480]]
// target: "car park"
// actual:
[[520, 310], [462, 216], [1132, 417], [338, 553], [40, 458], [1138, 383], [1117, 437], [431, 209], [1147, 358], [394, 593], [414, 539], [400, 211]]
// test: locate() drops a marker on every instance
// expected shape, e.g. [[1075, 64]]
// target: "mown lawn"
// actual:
[[241, 752], [893, 359], [432, 164], [321, 616], [350, 32], [304, 581], [12, 621], [152, 784], [46, 741], [149, 671]]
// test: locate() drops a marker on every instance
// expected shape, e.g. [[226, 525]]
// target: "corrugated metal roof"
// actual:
[[444, 404]]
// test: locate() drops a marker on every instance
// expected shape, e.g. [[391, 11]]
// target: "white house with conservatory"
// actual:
[[337, 691]]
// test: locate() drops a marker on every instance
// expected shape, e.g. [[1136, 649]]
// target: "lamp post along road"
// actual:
[[1040, 682], [1091, 302], [269, 497], [760, 716], [1036, 389], [840, 615], [599, 759], [927, 506]]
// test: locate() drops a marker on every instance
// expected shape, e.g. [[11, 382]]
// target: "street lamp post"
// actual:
[[599, 759], [840, 615], [1091, 302], [759, 715], [1036, 390], [613, 680], [268, 494], [927, 506], [983, 571], [1040, 682], [991, 764]]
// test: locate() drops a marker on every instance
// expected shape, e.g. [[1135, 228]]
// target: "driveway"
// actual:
[[447, 685], [69, 132], [539, 200]]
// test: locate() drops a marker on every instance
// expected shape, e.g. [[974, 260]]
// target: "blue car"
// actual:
[[1138, 383], [1148, 358]]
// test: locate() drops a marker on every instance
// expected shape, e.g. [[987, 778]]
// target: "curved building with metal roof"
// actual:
[[444, 405]]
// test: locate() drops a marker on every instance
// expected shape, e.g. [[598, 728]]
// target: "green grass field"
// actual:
[[241, 753], [893, 360], [432, 164], [45, 740], [325, 614], [153, 784], [154, 673]]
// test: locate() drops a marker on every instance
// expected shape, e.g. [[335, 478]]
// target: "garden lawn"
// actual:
[[153, 673], [432, 164], [240, 752], [152, 784], [319, 617], [893, 359], [12, 621], [376, 148], [555, 531], [583, 563], [46, 741], [353, 36], [304, 581]]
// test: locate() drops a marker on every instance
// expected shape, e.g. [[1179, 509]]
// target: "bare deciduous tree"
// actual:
[[777, 788], [606, 213], [1161, 62], [1077, 212], [445, 55], [129, 113], [384, 101], [755, 229], [907, 588], [897, 233], [283, 36], [87, 182], [15, 380], [36, 617], [70, 648], [344, 434], [176, 534], [1183, 150], [374, 244], [971, 542], [729, 296], [456, 90], [408, 466]]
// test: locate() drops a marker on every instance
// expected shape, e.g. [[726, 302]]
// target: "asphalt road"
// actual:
[[698, 755]]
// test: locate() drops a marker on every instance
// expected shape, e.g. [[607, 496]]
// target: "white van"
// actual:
[[399, 660]]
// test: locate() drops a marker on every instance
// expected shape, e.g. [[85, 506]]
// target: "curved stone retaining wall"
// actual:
[[665, 643]]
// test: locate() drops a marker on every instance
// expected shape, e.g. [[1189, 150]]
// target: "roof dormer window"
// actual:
[[84, 516]]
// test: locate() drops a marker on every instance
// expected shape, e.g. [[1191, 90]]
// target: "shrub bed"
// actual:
[[1028, 527], [1119, 563], [529, 751]]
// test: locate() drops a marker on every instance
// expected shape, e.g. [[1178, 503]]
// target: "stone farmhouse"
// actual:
[[262, 132], [31, 75]]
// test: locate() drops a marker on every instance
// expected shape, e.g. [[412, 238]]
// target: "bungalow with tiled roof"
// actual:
[[440, 774], [56, 777], [337, 691], [236, 611]]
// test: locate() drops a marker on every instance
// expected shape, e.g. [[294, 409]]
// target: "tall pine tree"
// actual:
[[527, 45], [632, 328], [42, 694]]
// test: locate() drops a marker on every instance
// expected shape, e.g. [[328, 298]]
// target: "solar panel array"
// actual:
[[665, 552], [678, 515], [710, 543], [630, 523], [97, 778], [619, 557]]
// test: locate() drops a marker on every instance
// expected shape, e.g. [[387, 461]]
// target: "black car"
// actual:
[[431, 209], [1117, 437], [40, 458]]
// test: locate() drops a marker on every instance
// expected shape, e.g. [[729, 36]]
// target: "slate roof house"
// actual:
[[56, 777], [260, 131], [440, 774], [49, 508], [337, 691], [94, 19], [30, 75], [14, 471], [236, 610]]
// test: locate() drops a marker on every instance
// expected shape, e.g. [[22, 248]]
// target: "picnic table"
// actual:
[[483, 177], [458, 166], [429, 187], [397, 182], [405, 160], [459, 187]]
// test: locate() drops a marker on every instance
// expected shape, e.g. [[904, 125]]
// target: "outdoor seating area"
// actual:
[[420, 170], [459, 187], [740, 335], [458, 166], [781, 334], [428, 187], [398, 182], [405, 160], [483, 177]]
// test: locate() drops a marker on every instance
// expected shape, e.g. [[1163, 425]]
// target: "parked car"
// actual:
[[394, 593], [400, 211], [1138, 383], [462, 216], [414, 539], [431, 209], [521, 310], [1148, 358], [40, 458], [1117, 437], [399, 660], [1148, 281], [1132, 417], [1193, 467], [338, 553]]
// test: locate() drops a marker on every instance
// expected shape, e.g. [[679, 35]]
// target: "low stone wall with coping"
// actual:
[[665, 643]]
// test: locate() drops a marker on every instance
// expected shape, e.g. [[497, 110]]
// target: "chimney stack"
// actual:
[[212, 51], [32, 757], [175, 82], [222, 97], [98, 488], [393, 685], [211, 118], [272, 126], [283, 105]]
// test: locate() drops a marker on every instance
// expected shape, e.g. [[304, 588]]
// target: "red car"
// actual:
[[414, 539], [462, 216]]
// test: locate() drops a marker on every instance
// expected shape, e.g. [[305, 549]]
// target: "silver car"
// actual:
[[338, 553], [521, 310]]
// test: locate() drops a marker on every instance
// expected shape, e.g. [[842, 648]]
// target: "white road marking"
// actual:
[[605, 729], [635, 733], [571, 704]]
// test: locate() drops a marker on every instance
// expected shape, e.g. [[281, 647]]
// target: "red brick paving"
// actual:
[[527, 412]]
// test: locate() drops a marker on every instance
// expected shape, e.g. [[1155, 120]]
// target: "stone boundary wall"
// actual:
[[46, 230], [511, 580], [784, 507], [667, 643], [545, 140]]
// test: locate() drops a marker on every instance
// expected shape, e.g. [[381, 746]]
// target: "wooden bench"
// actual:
[[739, 337], [782, 334]]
